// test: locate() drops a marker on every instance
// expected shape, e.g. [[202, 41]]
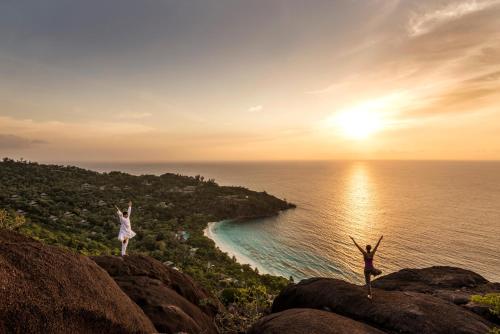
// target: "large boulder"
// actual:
[[452, 284], [171, 299], [392, 311], [430, 279], [303, 320], [45, 289]]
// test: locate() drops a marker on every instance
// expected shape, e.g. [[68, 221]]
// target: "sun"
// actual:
[[366, 118], [359, 124]]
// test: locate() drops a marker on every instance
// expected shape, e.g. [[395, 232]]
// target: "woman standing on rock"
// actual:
[[126, 232], [369, 268]]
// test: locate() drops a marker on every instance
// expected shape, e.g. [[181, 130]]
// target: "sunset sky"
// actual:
[[167, 80]]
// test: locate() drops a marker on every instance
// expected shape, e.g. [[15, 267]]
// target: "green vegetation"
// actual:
[[493, 301], [73, 208], [11, 220], [490, 299], [246, 306]]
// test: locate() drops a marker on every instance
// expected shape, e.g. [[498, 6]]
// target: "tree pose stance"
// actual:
[[369, 268], [126, 232]]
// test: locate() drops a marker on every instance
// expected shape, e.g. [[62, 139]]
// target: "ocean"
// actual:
[[430, 213]]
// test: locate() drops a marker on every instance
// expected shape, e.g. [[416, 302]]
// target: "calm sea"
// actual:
[[430, 213]]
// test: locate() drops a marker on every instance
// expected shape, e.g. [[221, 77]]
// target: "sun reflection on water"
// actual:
[[360, 199]]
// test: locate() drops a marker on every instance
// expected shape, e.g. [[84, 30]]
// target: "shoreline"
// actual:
[[210, 233]]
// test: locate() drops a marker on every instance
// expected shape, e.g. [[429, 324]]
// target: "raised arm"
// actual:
[[118, 211], [360, 249], [129, 208], [378, 243]]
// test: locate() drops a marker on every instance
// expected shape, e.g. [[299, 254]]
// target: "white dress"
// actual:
[[125, 228]]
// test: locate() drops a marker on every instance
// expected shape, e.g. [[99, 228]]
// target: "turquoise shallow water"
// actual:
[[431, 213]]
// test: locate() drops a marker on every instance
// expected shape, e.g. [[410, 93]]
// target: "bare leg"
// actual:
[[368, 283], [124, 247]]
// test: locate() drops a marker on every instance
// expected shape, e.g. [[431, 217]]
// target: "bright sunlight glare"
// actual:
[[359, 124], [367, 118]]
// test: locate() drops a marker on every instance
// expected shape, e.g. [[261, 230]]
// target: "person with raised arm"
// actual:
[[370, 270], [126, 232]]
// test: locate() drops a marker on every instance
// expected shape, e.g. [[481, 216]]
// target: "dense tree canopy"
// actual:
[[74, 208]]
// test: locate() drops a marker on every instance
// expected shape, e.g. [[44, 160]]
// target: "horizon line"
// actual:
[[230, 161]]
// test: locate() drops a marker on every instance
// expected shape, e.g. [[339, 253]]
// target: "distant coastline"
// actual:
[[210, 232]]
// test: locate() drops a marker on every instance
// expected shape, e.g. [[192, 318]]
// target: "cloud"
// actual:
[[453, 71], [9, 141], [64, 141], [135, 115], [466, 96], [82, 130], [423, 23], [256, 108], [485, 78], [459, 50]]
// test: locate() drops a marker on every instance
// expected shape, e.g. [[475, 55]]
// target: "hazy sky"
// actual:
[[159, 80]]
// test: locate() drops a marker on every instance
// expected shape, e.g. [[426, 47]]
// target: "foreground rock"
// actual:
[[429, 280], [302, 320], [452, 284], [45, 289], [172, 300], [390, 311]]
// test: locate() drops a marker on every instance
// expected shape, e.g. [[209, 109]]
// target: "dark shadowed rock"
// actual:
[[300, 321], [392, 311], [171, 299], [482, 310], [430, 279], [45, 289], [452, 284]]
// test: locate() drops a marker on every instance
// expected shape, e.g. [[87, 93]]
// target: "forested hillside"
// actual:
[[74, 208]]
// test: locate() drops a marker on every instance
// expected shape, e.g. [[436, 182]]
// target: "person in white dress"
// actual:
[[126, 232]]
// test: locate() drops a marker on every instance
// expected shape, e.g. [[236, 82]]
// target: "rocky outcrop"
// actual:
[[389, 311], [45, 289], [171, 299], [303, 320], [455, 285], [428, 280]]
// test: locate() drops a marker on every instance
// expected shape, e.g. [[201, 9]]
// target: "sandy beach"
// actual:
[[210, 232]]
